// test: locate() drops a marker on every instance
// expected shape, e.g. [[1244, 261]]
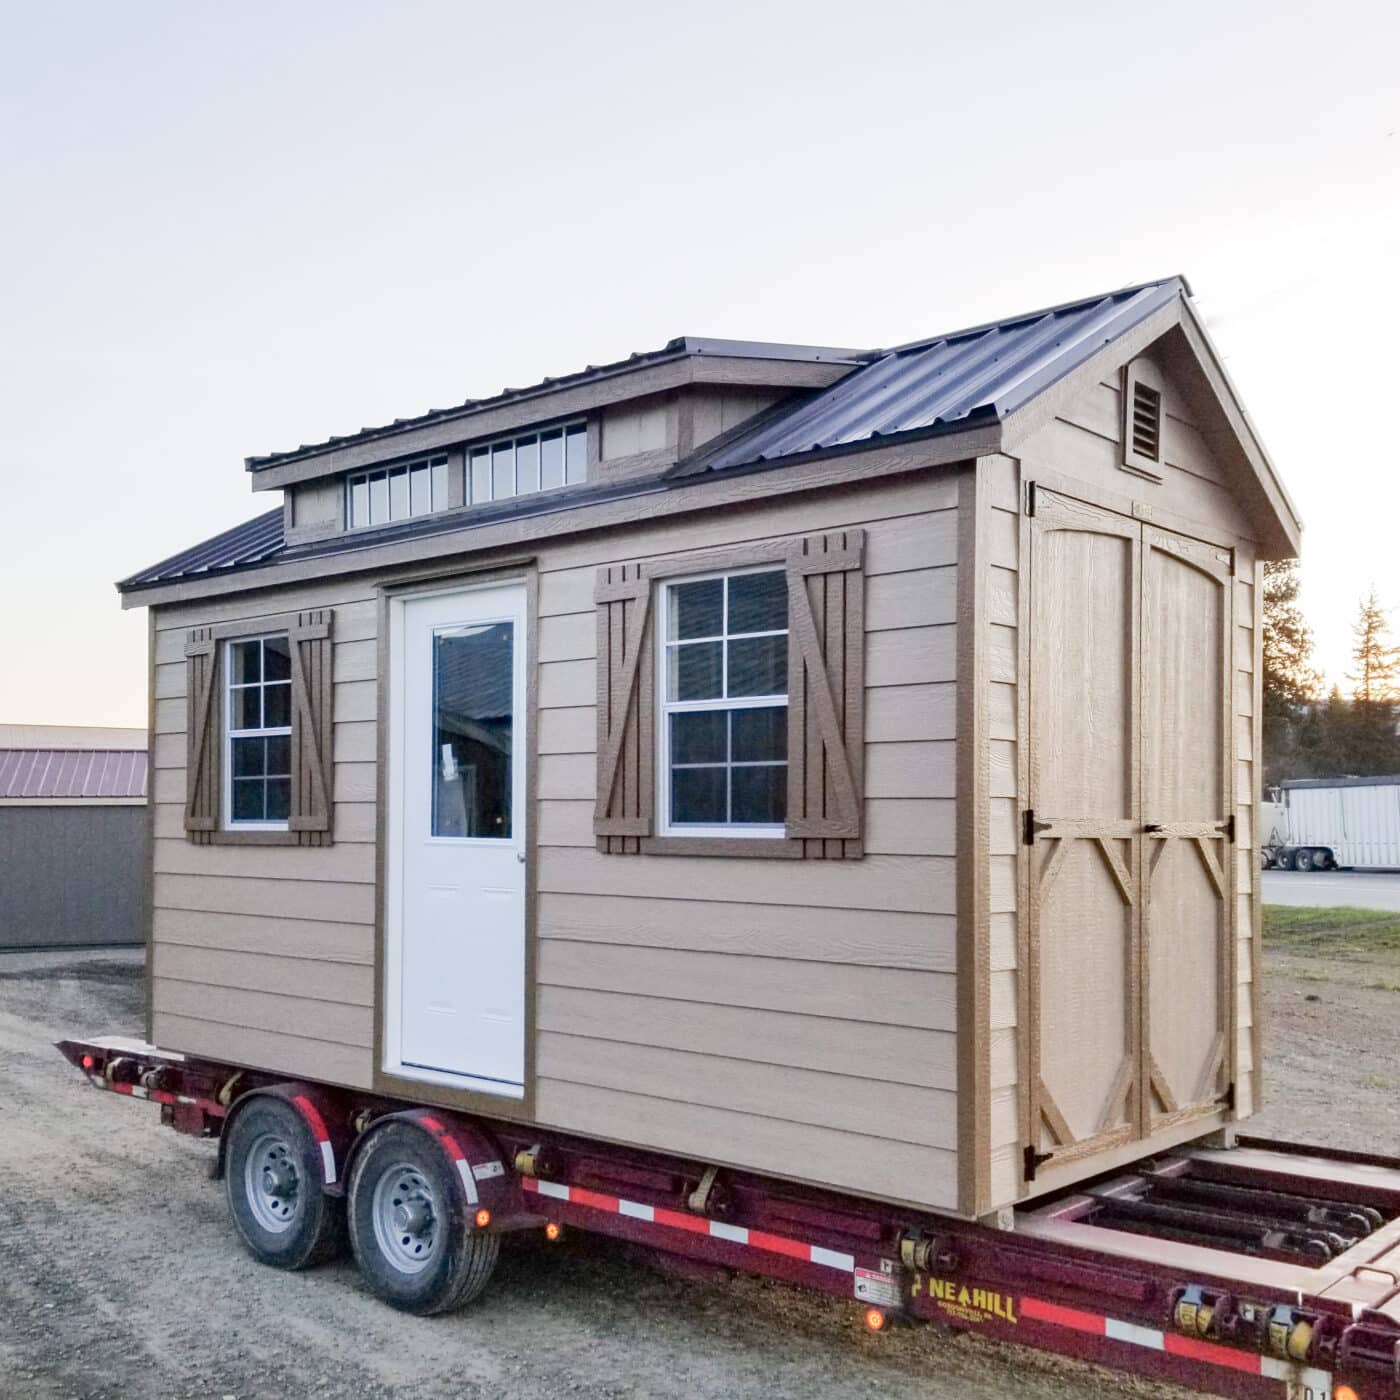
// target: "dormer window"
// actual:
[[519, 466], [396, 493]]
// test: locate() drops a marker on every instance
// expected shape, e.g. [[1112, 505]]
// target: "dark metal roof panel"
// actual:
[[987, 371], [49, 774], [675, 349], [250, 543]]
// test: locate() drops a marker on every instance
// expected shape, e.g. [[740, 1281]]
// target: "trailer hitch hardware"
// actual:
[[710, 1197], [1199, 1311], [1289, 1334], [927, 1254]]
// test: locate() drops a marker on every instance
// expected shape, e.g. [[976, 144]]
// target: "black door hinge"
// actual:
[[1030, 498], [1028, 827], [1228, 826], [1032, 1161], [1227, 1099]]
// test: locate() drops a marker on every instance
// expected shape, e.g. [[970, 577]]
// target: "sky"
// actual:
[[226, 230]]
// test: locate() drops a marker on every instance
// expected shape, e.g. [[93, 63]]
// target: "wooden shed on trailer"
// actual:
[[834, 764]]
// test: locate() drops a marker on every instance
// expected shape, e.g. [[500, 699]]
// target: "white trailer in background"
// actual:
[[1330, 823]]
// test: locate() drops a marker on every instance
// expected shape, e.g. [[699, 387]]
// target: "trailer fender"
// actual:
[[476, 1158], [322, 1121]]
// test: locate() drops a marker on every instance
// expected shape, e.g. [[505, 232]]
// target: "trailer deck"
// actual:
[[1266, 1269]]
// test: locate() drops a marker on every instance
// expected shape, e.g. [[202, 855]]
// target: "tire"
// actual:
[[272, 1178], [1303, 861], [409, 1224], [1324, 860], [1284, 860]]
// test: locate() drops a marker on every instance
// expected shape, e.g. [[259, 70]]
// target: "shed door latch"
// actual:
[[1029, 826]]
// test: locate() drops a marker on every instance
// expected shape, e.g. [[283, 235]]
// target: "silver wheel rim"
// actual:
[[405, 1213], [272, 1183]]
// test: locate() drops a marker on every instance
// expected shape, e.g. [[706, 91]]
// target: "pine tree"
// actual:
[[1375, 692], [1290, 681]]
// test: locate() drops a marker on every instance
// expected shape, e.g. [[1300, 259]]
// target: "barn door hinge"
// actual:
[[1032, 1161], [1029, 827], [1030, 498], [1227, 1099], [1228, 827]]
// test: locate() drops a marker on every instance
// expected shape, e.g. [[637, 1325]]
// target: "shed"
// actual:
[[837, 764], [73, 842]]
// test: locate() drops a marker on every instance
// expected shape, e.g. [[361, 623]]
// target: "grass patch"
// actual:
[[1340, 930]]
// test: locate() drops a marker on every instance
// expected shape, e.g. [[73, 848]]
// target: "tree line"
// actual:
[[1311, 731]]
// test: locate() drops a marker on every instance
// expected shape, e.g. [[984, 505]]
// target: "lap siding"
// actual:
[[802, 1025]]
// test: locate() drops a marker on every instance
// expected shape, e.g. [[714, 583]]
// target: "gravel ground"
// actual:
[[121, 1276]]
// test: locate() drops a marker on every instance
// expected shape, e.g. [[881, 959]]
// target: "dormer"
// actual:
[[602, 428]]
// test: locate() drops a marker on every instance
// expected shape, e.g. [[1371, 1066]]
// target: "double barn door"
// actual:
[[1130, 976]]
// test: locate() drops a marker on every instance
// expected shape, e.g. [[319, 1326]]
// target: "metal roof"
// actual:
[[1385, 780], [49, 774], [247, 543], [947, 383], [674, 349], [986, 372]]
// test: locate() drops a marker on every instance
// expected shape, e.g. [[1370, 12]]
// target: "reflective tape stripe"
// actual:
[[1172, 1343], [317, 1124], [454, 1150], [692, 1224]]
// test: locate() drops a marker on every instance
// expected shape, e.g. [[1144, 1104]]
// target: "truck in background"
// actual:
[[1332, 824]]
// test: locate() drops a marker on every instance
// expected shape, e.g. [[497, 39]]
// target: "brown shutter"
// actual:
[[312, 728], [626, 710], [201, 735], [826, 694]]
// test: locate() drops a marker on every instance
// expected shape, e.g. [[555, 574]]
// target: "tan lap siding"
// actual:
[[264, 956], [791, 1017]]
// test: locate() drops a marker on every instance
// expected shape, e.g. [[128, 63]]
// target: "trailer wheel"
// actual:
[[1304, 860], [1284, 860], [272, 1178], [410, 1227]]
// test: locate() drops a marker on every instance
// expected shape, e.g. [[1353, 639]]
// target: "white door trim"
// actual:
[[395, 682]]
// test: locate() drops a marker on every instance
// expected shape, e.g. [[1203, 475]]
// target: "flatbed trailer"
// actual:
[[1258, 1269]]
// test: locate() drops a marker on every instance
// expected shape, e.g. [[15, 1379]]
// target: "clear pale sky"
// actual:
[[231, 229]]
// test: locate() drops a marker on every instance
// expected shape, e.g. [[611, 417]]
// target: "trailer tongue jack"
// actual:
[[1264, 1270]]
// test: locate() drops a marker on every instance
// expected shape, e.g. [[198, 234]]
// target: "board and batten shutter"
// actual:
[[312, 730], [202, 735], [826, 696], [309, 635]]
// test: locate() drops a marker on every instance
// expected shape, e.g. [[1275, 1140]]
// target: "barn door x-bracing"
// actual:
[[1131, 874]]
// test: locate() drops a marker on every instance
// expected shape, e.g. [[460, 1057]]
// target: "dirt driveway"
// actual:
[[121, 1277]]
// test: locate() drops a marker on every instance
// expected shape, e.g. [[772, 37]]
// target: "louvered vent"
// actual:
[[1146, 427]]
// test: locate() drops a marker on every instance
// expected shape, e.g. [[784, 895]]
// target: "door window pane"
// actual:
[[473, 730]]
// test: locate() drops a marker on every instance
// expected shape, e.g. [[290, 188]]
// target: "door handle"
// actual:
[[520, 856], [1151, 826]]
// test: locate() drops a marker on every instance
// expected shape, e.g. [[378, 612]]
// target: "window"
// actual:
[[397, 493], [258, 725], [723, 682], [519, 466]]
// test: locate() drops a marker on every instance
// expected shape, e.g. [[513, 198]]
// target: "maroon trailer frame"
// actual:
[[1243, 1329]]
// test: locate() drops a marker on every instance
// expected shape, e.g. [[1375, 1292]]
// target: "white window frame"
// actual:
[[512, 440], [666, 707], [439, 466], [230, 733]]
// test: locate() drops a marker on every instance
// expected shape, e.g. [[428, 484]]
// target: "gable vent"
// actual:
[[1143, 422], [1147, 422]]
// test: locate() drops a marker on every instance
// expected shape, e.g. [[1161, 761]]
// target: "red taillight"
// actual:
[[875, 1319], [88, 1062], [483, 1219], [552, 1231]]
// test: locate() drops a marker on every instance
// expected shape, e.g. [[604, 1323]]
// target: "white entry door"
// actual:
[[455, 896]]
